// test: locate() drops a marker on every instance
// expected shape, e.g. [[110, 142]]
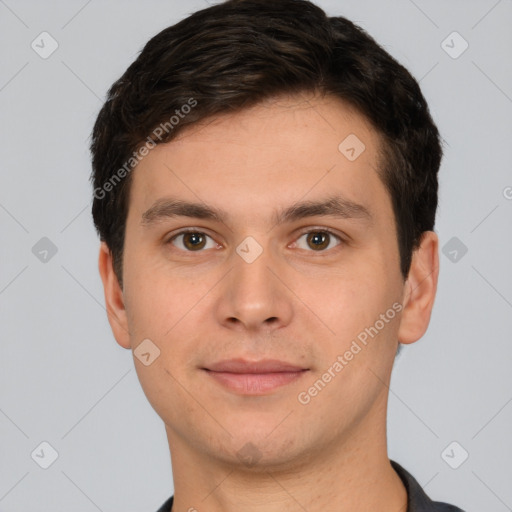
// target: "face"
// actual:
[[261, 262]]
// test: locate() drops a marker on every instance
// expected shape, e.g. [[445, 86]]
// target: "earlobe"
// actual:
[[114, 300], [420, 289]]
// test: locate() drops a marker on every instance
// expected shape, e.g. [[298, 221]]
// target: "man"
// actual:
[[265, 189]]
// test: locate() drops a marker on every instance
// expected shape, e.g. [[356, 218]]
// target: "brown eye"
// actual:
[[192, 241], [318, 241]]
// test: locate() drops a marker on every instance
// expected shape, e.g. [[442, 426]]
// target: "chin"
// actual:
[[258, 454]]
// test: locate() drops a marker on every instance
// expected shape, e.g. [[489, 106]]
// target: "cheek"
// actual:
[[344, 297], [154, 298], [157, 305], [348, 304]]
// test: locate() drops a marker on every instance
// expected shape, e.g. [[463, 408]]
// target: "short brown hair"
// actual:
[[233, 55]]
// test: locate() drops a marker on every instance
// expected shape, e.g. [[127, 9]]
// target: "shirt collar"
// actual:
[[417, 500]]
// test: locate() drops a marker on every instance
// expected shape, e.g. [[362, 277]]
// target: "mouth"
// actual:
[[254, 377]]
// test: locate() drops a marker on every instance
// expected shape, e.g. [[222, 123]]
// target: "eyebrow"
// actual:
[[169, 208], [335, 206]]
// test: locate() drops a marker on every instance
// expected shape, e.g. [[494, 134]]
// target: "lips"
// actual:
[[254, 377], [243, 366]]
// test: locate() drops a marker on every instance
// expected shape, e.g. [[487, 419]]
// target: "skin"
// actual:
[[293, 303]]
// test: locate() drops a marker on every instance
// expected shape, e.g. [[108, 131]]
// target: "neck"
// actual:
[[342, 477]]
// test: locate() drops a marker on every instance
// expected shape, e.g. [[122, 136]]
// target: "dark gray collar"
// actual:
[[417, 500]]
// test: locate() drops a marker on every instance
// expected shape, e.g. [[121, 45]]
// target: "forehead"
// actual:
[[271, 155]]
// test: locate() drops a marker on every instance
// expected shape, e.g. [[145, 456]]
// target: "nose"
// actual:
[[252, 298]]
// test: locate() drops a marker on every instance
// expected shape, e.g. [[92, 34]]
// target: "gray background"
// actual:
[[64, 380]]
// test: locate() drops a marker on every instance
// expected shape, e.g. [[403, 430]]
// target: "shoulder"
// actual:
[[166, 507], [417, 500], [445, 507]]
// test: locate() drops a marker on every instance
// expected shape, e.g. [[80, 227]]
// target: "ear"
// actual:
[[114, 300], [420, 289]]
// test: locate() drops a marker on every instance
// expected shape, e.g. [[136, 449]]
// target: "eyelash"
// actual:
[[184, 232], [331, 233]]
